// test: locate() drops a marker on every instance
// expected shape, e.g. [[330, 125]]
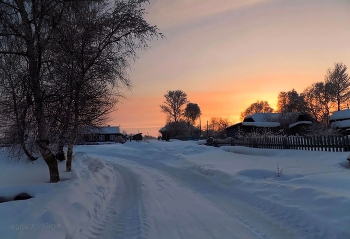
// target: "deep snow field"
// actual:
[[167, 190]]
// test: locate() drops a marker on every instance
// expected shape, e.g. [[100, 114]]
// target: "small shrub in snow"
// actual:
[[279, 172]]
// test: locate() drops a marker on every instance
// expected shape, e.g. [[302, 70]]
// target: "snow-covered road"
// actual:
[[154, 200], [173, 190]]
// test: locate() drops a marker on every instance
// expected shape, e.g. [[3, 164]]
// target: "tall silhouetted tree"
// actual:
[[339, 82], [173, 104]]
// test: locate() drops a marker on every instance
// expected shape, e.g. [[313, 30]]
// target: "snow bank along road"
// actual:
[[162, 191]]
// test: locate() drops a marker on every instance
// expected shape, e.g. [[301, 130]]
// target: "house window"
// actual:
[[112, 137], [91, 137], [101, 137]]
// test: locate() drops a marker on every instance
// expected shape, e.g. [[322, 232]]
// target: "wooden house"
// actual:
[[288, 123], [101, 134]]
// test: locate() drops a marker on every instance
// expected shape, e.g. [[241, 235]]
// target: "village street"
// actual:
[[154, 199]]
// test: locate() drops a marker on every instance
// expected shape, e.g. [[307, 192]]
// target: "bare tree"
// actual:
[[291, 101], [96, 53], [219, 124], [339, 82], [109, 40], [15, 104], [30, 23], [257, 107], [173, 104], [318, 101]]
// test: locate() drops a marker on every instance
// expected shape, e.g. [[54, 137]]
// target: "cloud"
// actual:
[[170, 13]]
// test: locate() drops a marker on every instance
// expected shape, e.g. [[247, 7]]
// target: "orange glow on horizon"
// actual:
[[229, 55]]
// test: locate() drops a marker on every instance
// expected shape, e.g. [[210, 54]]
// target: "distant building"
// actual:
[[290, 123], [101, 134], [165, 133]]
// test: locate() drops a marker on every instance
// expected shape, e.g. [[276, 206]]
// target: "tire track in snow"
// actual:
[[213, 192], [258, 234], [127, 217], [100, 216], [123, 216]]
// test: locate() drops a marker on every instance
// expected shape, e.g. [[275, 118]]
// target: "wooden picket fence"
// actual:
[[314, 143]]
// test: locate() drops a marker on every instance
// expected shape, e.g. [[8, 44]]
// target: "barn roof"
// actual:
[[271, 117], [110, 130], [263, 117], [104, 130], [340, 115]]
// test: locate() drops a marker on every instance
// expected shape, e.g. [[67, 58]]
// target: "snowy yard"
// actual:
[[170, 190]]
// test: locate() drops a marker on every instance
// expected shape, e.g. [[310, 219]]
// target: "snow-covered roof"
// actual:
[[162, 129], [262, 124], [263, 117], [342, 114], [299, 122], [341, 124], [110, 130], [105, 130]]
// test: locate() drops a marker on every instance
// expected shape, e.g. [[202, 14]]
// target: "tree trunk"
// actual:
[[50, 161], [43, 139], [27, 153], [35, 87], [70, 155], [74, 133], [60, 156]]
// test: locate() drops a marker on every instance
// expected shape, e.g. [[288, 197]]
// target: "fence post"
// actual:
[[346, 143], [298, 143], [287, 140], [336, 142], [331, 142]]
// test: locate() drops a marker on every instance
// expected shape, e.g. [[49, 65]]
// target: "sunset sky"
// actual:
[[227, 54]]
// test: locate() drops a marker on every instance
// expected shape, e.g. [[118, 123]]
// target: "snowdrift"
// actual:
[[59, 210]]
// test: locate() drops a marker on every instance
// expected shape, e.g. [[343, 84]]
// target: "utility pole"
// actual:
[[207, 130]]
